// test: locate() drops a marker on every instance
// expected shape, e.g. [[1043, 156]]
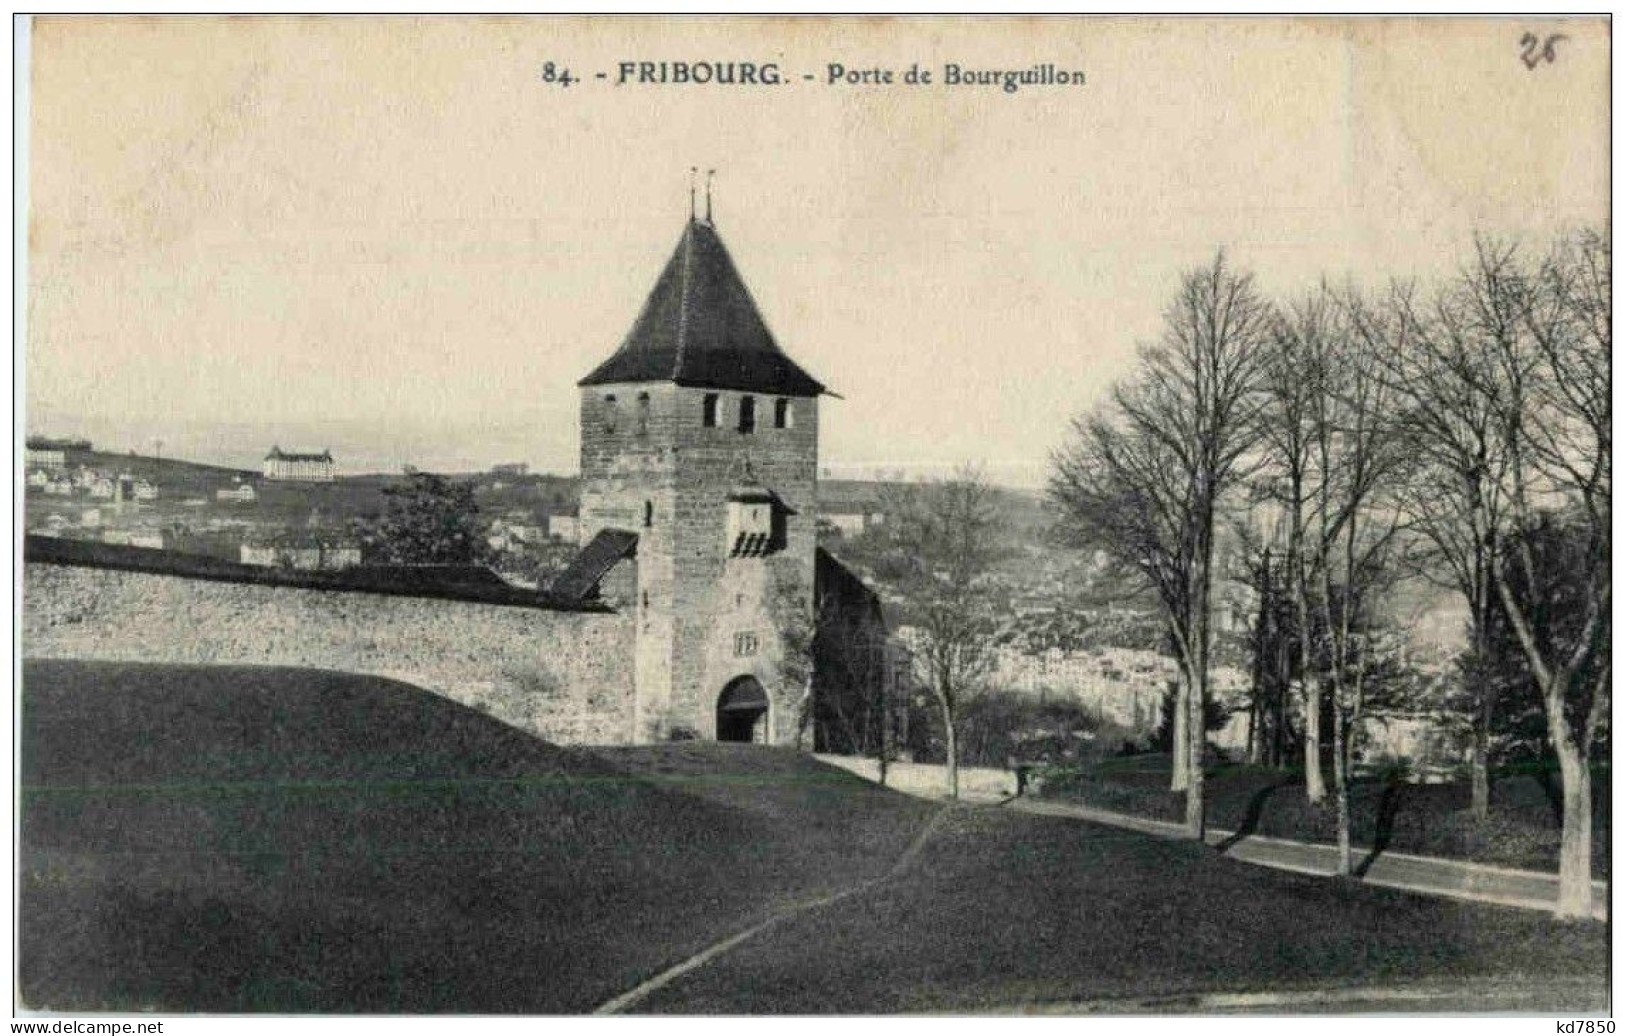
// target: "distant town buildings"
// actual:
[[513, 533], [152, 539], [511, 470], [850, 510], [852, 522], [1122, 685], [301, 467], [308, 552], [565, 527], [44, 457], [43, 452], [242, 493]]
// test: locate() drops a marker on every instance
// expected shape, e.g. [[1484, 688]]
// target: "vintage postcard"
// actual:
[[814, 515]]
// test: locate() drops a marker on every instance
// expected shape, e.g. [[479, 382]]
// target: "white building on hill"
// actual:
[[41, 452], [300, 467]]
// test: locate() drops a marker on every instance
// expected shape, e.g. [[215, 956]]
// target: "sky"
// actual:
[[393, 238]]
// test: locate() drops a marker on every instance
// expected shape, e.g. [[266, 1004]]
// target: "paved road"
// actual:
[[1454, 879]]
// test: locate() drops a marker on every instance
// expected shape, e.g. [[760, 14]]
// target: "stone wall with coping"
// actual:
[[563, 676]]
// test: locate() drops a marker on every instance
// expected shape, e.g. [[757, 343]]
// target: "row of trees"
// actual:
[[1459, 432]]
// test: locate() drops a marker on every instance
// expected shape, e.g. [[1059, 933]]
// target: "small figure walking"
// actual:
[[1022, 769]]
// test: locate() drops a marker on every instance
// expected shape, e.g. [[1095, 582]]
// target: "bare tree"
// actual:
[[1453, 501], [945, 539], [1148, 474], [1549, 334], [1508, 379], [1361, 459], [1294, 382], [1121, 489]]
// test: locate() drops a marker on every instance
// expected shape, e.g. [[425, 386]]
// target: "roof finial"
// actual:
[[692, 170], [708, 174]]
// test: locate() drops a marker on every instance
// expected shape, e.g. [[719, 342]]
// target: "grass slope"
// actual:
[[1010, 911], [251, 839], [1524, 827]]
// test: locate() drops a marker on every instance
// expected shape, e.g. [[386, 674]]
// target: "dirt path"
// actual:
[[637, 993]]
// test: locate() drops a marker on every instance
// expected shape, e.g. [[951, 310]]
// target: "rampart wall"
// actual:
[[562, 675]]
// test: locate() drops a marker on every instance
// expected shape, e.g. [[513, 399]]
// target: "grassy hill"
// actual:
[[255, 839], [1013, 913], [167, 473], [241, 839]]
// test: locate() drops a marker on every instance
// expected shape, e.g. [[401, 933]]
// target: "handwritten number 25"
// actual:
[[1534, 52]]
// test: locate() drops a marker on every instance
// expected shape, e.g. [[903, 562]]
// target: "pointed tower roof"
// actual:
[[700, 327]]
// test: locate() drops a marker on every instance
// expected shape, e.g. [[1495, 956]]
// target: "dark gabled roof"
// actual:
[[700, 327], [41, 442], [278, 453], [844, 588], [579, 582]]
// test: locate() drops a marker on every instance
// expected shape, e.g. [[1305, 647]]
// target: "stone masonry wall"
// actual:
[[655, 468], [628, 475], [563, 676], [716, 597]]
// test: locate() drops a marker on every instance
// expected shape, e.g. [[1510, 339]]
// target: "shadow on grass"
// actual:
[[1387, 809], [1255, 813]]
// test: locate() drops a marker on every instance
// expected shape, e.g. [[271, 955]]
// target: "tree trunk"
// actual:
[[1283, 681], [1196, 725], [1574, 867], [1195, 813], [1252, 728], [1481, 766], [1314, 782], [1178, 747], [1572, 749], [1255, 720], [952, 736], [1258, 708], [1484, 713], [885, 727], [1340, 776]]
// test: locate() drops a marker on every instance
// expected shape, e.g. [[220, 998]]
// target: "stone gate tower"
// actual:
[[699, 437]]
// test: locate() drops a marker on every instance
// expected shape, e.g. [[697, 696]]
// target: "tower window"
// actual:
[[648, 513], [783, 416], [709, 414], [643, 413], [747, 414], [609, 413]]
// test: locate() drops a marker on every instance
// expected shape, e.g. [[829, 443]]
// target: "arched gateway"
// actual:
[[742, 711]]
